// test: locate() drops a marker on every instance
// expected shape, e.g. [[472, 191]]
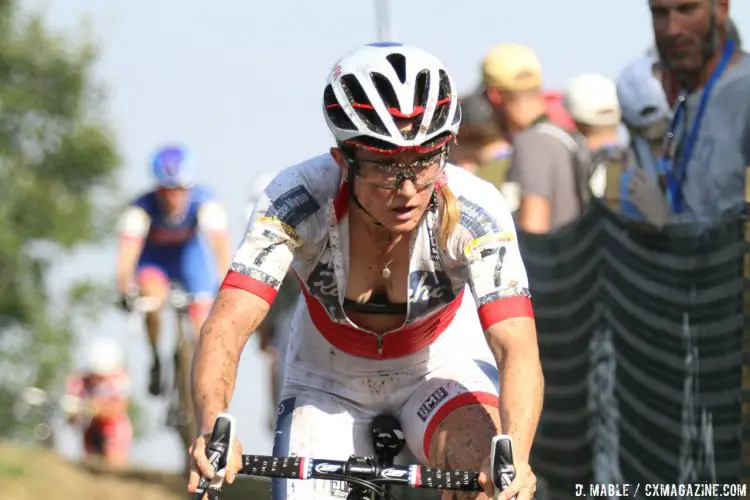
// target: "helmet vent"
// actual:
[[398, 61], [422, 88], [335, 112], [362, 105], [443, 104]]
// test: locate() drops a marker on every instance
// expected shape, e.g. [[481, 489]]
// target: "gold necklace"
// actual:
[[385, 272]]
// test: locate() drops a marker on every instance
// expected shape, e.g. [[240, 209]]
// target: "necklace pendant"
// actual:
[[386, 273]]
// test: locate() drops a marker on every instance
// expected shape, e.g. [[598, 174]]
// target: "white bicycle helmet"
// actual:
[[104, 356], [642, 97], [374, 92]]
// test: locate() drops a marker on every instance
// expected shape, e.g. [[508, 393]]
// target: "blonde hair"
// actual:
[[451, 213]]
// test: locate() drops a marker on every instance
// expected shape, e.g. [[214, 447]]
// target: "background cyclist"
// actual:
[[104, 387], [175, 232]]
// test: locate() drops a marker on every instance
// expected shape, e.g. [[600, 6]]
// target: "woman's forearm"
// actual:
[[223, 337], [514, 344], [214, 375], [521, 396]]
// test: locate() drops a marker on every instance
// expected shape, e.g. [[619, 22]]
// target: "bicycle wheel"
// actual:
[[186, 423]]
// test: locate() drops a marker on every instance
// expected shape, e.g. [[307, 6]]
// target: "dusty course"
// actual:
[[32, 474]]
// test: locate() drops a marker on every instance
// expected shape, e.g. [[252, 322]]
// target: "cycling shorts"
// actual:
[[326, 407], [190, 265], [105, 436]]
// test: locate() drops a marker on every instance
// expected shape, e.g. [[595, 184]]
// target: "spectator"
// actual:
[[670, 83], [556, 110], [646, 114], [704, 160], [591, 100], [487, 152], [513, 79], [645, 111], [512, 76]]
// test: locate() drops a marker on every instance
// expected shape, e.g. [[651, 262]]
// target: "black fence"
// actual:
[[641, 342]]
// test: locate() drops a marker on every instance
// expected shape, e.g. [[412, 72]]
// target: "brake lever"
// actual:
[[218, 451], [501, 463]]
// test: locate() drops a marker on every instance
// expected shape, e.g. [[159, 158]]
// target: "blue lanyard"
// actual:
[[674, 177]]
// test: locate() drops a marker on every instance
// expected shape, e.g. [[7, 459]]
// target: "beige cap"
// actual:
[[512, 67]]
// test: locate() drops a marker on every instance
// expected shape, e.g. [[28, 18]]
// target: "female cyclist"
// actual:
[[383, 237]]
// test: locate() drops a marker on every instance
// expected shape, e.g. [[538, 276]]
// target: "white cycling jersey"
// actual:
[[339, 376], [301, 221]]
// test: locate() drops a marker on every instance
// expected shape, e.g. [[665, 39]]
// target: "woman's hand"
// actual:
[[522, 487], [202, 467]]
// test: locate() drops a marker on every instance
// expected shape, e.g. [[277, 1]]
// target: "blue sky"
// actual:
[[241, 82]]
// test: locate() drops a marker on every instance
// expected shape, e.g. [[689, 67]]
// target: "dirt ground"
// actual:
[[32, 474]]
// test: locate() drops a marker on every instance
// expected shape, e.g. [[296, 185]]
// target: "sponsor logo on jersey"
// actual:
[[170, 236], [434, 256], [255, 273], [322, 285], [499, 266], [503, 294], [431, 403], [293, 207], [428, 290], [476, 220], [503, 237]]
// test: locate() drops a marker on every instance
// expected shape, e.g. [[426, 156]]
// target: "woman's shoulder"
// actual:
[[317, 178], [473, 190], [484, 213]]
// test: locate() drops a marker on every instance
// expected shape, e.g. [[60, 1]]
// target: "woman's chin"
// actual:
[[397, 223]]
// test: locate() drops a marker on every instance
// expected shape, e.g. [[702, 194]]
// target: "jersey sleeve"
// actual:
[[277, 229], [496, 272], [134, 223], [212, 217]]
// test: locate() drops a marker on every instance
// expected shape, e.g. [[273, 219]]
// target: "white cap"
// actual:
[[257, 188], [591, 99], [104, 356], [642, 97]]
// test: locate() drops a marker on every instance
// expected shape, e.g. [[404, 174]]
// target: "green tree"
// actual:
[[57, 171]]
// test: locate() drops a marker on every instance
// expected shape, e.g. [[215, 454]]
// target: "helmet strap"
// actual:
[[350, 181]]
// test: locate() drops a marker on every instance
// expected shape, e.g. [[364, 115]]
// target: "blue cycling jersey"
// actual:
[[166, 230], [174, 245]]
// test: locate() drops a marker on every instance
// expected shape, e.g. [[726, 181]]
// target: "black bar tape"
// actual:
[[447, 479], [260, 465]]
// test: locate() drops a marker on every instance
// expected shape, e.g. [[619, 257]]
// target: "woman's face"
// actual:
[[395, 189]]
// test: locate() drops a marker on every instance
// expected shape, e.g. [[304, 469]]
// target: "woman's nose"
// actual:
[[407, 188]]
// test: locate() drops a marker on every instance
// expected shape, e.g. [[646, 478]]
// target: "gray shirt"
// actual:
[[542, 165], [715, 176]]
